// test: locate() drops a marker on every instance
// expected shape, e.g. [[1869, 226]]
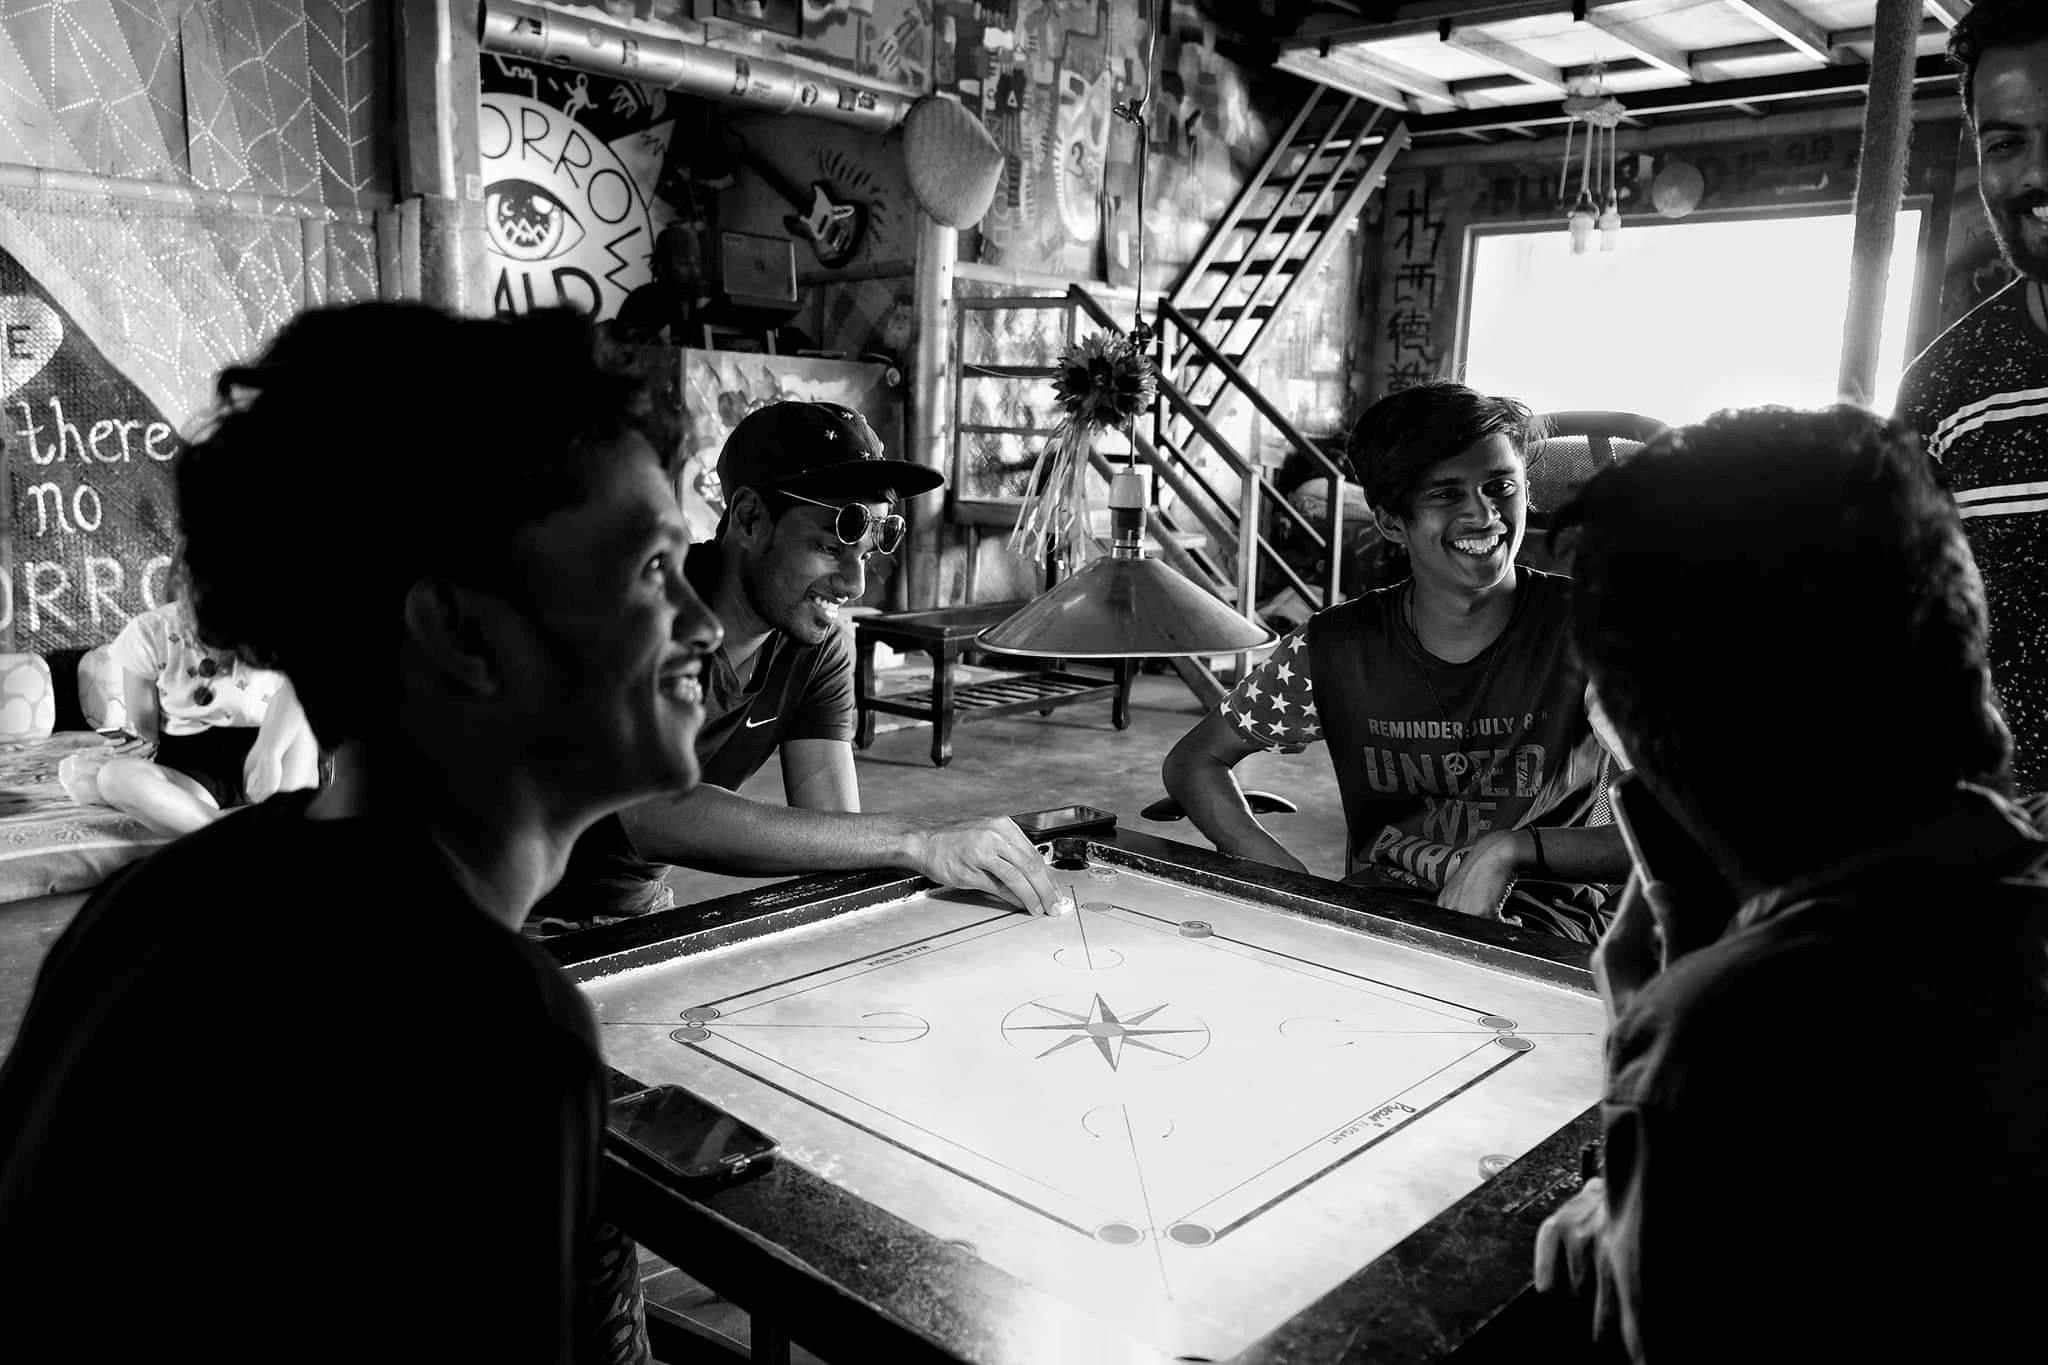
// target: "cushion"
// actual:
[[99, 691], [28, 703]]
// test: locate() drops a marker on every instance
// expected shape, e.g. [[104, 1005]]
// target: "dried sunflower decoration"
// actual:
[[1104, 382]]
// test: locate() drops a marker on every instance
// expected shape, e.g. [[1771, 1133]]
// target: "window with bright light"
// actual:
[[1681, 319]]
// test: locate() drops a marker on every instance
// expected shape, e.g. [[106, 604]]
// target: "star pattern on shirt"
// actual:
[[1274, 705]]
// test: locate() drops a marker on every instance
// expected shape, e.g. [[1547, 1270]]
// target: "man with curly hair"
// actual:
[[303, 1056], [1979, 395], [1825, 1124]]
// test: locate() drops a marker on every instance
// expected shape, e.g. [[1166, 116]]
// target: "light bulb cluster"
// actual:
[[1598, 206]]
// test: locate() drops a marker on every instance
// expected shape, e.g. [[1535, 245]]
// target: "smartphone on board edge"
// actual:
[[670, 1132]]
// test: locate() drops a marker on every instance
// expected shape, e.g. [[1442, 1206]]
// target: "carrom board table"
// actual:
[[1220, 1112]]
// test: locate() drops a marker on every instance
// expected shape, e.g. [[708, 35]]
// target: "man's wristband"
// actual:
[[1542, 865]]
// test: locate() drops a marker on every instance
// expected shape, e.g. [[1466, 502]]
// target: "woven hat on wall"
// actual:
[[954, 164]]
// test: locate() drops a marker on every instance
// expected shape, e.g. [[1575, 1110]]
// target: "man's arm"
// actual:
[[138, 694], [720, 831], [1199, 773], [1498, 859]]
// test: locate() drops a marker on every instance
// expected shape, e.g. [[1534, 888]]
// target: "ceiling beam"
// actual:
[[1508, 58], [1429, 17], [1342, 76], [1865, 36], [1643, 45], [1803, 35], [1843, 79], [1426, 90], [1947, 13]]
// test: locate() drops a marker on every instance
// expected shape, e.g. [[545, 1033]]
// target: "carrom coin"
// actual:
[[1196, 928], [1492, 1165], [1101, 873]]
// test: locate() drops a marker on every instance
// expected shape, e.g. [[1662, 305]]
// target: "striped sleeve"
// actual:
[[2017, 405], [1274, 705]]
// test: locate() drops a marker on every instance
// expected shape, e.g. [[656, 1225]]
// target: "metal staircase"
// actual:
[[1278, 235]]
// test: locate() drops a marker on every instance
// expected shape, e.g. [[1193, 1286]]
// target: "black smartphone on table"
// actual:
[[673, 1134]]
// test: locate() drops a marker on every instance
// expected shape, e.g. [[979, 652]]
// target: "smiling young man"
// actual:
[[810, 495], [221, 1072], [1455, 719], [1979, 395]]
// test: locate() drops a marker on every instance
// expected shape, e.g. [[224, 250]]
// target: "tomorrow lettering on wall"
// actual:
[[90, 523], [570, 163]]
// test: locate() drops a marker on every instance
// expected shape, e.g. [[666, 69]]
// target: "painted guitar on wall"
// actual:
[[833, 229]]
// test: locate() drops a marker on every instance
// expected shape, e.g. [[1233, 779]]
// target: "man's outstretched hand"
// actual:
[[989, 855]]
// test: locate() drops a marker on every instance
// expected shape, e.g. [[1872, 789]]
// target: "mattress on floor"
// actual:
[[49, 844]]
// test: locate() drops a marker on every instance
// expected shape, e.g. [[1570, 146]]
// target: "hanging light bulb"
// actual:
[[1598, 207], [1581, 224]]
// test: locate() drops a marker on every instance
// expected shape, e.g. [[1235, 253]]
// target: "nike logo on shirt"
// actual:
[[756, 724]]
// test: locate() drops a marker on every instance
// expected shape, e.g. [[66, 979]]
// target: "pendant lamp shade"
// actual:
[[1125, 605]]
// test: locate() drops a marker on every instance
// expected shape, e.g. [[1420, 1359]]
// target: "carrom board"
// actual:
[[1186, 1114]]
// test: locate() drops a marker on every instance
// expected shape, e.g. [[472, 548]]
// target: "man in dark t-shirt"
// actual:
[[1978, 395], [219, 1080], [1456, 721], [810, 495]]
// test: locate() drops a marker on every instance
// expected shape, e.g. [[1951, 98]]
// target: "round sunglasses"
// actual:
[[852, 522]]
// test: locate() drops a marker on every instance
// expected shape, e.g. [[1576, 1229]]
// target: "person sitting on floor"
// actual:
[[810, 495], [225, 734], [1826, 1130], [303, 1055], [1455, 717]]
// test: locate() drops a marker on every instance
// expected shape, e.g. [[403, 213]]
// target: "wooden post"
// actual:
[[929, 401], [439, 165], [1880, 187]]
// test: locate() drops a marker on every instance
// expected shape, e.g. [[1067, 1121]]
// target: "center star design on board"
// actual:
[[1101, 1027]]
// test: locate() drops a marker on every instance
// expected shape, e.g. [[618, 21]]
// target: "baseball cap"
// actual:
[[817, 450]]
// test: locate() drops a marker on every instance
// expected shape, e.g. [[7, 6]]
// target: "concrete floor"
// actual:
[[1000, 766]]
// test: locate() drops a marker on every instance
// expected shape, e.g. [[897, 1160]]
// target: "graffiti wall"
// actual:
[[1046, 76], [120, 303], [571, 163]]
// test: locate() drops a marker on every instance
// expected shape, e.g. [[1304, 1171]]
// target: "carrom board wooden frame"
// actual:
[[797, 1248]]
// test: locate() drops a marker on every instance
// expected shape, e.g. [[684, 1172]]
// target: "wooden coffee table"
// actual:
[[945, 634]]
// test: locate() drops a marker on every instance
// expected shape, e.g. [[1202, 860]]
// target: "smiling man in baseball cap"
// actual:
[[809, 495]]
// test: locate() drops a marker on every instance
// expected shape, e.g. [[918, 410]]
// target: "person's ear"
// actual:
[[749, 514], [1394, 528], [454, 630]]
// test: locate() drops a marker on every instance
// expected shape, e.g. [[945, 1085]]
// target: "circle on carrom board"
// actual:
[[1089, 959], [690, 1035], [1493, 1164], [697, 1014], [1515, 1044], [1119, 1234], [1196, 928], [1191, 1234], [1495, 1021]]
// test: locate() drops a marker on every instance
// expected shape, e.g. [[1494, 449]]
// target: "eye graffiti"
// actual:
[[566, 215], [528, 222]]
